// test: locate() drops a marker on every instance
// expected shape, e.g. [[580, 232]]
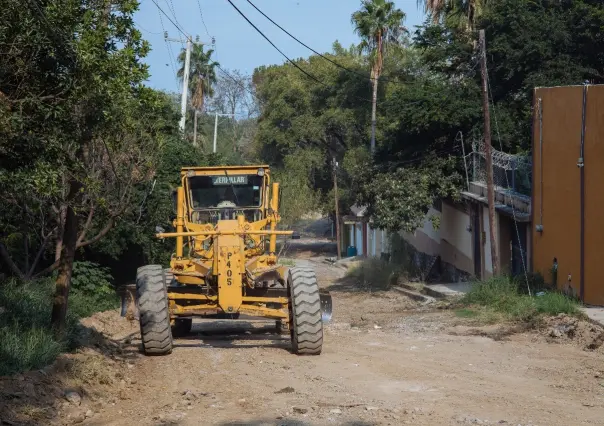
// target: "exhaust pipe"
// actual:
[[326, 305]]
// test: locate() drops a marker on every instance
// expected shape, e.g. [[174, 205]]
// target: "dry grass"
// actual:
[[90, 370]]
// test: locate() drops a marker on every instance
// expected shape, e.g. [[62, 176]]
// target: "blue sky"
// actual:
[[318, 23]]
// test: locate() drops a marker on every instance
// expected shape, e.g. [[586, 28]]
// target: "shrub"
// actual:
[[91, 289], [373, 274], [507, 297], [26, 337]]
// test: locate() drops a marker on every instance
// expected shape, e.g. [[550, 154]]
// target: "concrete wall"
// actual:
[[451, 241], [557, 202]]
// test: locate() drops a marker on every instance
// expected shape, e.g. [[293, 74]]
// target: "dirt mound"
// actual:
[[110, 324], [564, 328], [558, 329], [77, 386]]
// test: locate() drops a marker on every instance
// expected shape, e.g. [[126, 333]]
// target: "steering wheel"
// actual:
[[224, 204]]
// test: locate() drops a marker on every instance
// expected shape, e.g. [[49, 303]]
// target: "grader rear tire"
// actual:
[[152, 297], [305, 324]]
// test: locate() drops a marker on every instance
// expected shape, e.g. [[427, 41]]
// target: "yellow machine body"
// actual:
[[225, 260]]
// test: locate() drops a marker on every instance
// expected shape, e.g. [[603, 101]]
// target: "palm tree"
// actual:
[[202, 75], [464, 13], [379, 24]]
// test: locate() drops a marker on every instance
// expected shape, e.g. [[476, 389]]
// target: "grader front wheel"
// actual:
[[306, 325], [154, 315]]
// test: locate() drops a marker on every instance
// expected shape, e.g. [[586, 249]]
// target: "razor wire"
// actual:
[[511, 172]]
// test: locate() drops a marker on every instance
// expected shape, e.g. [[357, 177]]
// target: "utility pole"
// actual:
[[488, 151], [185, 77], [185, 86], [215, 133], [335, 191], [216, 126]]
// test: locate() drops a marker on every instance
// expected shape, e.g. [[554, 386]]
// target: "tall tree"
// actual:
[[379, 24], [461, 13], [76, 132]]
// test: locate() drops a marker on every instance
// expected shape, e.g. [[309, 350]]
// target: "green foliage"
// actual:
[[296, 182], [202, 74], [503, 295], [379, 24], [373, 274], [92, 283], [26, 338], [399, 200]]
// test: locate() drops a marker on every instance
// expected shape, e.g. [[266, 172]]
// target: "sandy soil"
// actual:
[[386, 360]]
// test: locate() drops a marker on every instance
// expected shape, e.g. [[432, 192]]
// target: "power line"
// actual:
[[308, 47], [273, 44], [522, 258], [146, 30], [173, 11], [170, 19], [312, 77], [170, 53], [202, 20], [328, 59]]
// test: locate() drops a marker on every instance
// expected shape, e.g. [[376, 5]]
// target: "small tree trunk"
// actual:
[[60, 228], [68, 249]]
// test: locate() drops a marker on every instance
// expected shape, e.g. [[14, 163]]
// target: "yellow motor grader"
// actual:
[[226, 263]]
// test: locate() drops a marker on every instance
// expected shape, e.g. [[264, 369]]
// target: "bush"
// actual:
[[91, 289], [373, 274], [26, 337], [507, 297]]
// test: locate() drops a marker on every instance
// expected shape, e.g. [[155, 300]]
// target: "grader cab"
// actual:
[[226, 263]]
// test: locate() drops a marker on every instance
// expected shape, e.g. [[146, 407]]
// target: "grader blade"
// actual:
[[326, 305]]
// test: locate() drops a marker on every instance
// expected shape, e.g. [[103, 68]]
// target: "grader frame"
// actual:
[[227, 269]]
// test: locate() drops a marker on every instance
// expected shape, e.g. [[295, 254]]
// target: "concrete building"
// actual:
[[357, 232], [461, 243]]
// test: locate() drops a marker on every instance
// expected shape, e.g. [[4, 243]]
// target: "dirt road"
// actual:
[[385, 361]]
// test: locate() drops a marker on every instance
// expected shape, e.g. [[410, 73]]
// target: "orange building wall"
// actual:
[[559, 198], [594, 196]]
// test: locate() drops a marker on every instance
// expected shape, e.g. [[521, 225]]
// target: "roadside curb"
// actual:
[[412, 294]]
